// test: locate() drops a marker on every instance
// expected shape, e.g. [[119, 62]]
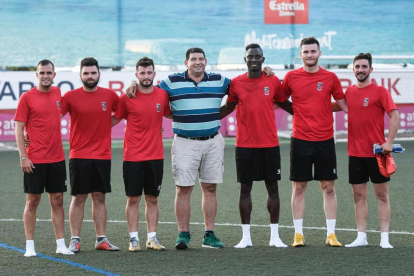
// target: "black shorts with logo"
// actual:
[[305, 154], [256, 164], [89, 175], [362, 169], [46, 176], [145, 175]]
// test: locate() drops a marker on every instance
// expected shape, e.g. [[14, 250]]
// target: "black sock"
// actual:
[[207, 232]]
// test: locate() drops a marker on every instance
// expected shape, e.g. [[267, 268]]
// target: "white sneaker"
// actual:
[[64, 251]]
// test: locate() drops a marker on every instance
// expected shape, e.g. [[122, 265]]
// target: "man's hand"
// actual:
[[27, 165], [268, 71], [386, 147], [132, 90]]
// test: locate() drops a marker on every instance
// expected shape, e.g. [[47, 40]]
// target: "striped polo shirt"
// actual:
[[195, 107]]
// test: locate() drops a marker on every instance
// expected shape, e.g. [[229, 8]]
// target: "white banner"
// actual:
[[13, 84]]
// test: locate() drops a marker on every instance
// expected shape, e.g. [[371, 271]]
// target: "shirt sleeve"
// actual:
[[337, 91], [232, 98], [120, 109], [285, 86], [387, 101], [23, 110], [279, 96], [64, 105]]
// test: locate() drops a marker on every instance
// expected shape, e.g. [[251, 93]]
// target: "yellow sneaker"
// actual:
[[298, 240], [154, 244], [331, 240], [133, 245]]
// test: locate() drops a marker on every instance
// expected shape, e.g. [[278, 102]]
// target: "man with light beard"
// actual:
[[367, 103], [313, 145], [43, 161], [90, 108], [143, 166]]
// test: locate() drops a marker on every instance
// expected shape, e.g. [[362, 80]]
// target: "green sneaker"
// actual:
[[183, 240], [211, 241]]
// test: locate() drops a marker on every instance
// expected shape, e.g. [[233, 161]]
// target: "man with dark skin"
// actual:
[[257, 144]]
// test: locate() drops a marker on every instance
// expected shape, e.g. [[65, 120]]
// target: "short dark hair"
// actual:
[[253, 45], [145, 62], [309, 40], [366, 56], [45, 62], [194, 50], [89, 61]]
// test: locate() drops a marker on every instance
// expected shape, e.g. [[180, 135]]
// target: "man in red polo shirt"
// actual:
[[143, 166], [90, 108], [312, 145], [367, 103], [43, 161], [257, 143]]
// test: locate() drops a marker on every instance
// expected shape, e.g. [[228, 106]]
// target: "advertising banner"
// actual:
[[286, 11]]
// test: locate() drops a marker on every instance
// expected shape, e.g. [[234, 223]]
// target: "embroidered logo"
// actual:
[[278, 171], [319, 87], [104, 106], [58, 104], [334, 171], [266, 91], [159, 187], [366, 101], [158, 107]]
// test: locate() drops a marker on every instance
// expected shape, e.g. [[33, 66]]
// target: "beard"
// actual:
[[364, 79], [90, 85], [146, 85]]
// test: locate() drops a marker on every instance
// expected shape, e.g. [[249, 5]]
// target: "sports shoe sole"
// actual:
[[209, 246], [181, 245]]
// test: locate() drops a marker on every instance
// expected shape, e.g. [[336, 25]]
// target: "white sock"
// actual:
[[385, 240], [298, 223], [30, 250], [134, 235], [75, 237], [361, 240], [274, 236], [246, 241], [330, 224], [61, 248], [60, 243], [151, 235]]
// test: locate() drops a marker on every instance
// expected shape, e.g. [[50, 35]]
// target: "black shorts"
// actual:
[[304, 154], [256, 164], [145, 175], [89, 175], [46, 176], [362, 169]]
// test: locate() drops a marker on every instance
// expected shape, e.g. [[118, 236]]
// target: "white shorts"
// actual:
[[190, 157]]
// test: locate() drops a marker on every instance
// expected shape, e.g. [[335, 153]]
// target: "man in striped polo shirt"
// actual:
[[195, 97]]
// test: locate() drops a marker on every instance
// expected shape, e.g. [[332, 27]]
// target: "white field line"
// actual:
[[2, 145], [225, 224]]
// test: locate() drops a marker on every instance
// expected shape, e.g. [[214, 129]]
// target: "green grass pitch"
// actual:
[[314, 259]]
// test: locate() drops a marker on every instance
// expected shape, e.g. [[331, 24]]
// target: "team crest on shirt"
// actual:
[[58, 104], [366, 101], [319, 87], [266, 91], [158, 107], [104, 106]]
